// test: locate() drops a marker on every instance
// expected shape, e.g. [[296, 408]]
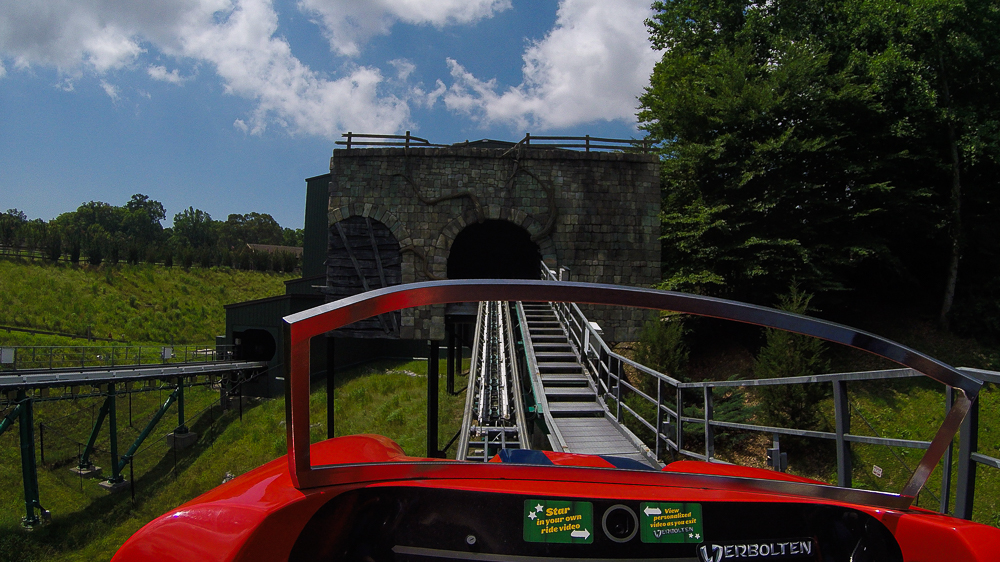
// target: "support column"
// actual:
[[709, 406], [949, 399], [449, 337], [29, 470], [842, 420], [181, 437], [433, 348], [968, 442], [116, 475], [181, 427], [331, 384]]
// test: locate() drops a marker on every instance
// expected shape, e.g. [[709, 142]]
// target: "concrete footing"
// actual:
[[112, 487], [89, 472], [179, 441]]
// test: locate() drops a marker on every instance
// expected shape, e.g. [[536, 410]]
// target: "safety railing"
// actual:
[[104, 356], [588, 143], [355, 140], [656, 402], [585, 143]]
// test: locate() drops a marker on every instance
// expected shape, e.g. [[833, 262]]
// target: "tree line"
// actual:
[[98, 232], [850, 147]]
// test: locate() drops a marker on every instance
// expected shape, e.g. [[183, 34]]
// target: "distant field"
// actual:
[[138, 303]]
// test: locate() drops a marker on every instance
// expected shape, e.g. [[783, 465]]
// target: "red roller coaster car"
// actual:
[[361, 498]]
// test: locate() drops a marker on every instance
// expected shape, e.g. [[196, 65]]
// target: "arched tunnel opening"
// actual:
[[254, 345], [494, 249]]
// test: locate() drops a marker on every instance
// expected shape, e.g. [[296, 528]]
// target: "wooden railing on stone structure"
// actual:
[[587, 143]]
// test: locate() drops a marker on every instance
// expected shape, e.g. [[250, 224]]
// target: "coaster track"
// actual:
[[494, 414]]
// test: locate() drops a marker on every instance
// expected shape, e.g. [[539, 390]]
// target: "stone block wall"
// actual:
[[595, 213]]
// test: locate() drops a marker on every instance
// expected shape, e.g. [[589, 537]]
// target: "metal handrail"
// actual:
[[301, 327], [573, 318], [52, 357]]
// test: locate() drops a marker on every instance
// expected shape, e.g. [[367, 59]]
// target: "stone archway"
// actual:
[[494, 249]]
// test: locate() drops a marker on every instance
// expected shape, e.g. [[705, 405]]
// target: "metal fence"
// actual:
[[104, 356], [653, 404]]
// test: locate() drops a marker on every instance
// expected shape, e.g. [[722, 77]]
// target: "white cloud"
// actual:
[[591, 66], [111, 90], [404, 68], [256, 64], [348, 24], [3, 71], [237, 37], [157, 72]]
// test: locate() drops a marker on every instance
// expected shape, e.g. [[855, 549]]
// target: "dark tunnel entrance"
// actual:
[[254, 345], [494, 249]]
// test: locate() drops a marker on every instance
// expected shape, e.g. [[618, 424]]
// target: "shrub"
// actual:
[[661, 346], [791, 355]]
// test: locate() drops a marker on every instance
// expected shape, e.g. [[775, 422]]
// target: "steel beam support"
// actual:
[[89, 449], [29, 470], [449, 337], [709, 415], [660, 445], [679, 414], [181, 427], [842, 420], [433, 348], [9, 418], [330, 386], [949, 398], [968, 442], [120, 464], [116, 470]]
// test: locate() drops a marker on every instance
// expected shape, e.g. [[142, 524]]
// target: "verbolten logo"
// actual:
[[716, 555], [784, 549]]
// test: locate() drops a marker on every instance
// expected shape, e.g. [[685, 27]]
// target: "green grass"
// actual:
[[89, 524], [139, 303]]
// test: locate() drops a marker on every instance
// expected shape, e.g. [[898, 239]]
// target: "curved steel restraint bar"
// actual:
[[300, 327]]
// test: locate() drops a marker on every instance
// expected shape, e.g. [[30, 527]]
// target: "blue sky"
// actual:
[[228, 105]]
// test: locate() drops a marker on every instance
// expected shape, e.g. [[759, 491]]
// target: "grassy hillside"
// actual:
[[89, 524], [138, 303]]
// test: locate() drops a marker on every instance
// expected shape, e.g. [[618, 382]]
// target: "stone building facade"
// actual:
[[595, 213]]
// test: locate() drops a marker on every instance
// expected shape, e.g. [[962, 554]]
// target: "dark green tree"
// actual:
[[767, 169], [11, 229], [935, 66], [194, 228]]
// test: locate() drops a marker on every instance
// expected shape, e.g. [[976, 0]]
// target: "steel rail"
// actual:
[[48, 378], [302, 326]]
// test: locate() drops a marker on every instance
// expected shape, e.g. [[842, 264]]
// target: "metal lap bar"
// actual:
[[300, 327]]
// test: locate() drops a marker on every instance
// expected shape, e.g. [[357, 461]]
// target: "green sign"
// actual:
[[558, 521], [670, 522]]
